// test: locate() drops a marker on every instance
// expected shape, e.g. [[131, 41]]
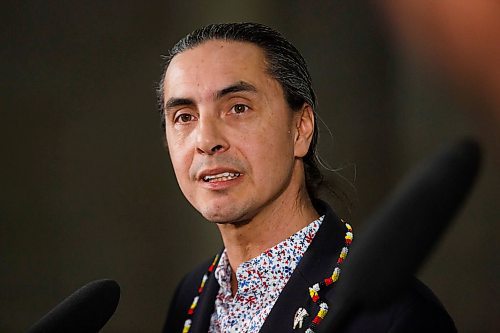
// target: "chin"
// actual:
[[223, 216]]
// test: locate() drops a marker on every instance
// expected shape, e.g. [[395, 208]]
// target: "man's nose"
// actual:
[[210, 137]]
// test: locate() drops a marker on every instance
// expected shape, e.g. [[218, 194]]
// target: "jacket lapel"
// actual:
[[317, 263]]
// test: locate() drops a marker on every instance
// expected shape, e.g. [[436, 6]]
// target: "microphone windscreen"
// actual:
[[399, 236], [85, 311]]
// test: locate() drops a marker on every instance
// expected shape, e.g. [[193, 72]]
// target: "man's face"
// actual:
[[230, 133]]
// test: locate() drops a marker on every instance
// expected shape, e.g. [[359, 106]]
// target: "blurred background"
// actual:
[[87, 187]]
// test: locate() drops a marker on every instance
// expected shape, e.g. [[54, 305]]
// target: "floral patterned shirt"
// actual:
[[260, 282]]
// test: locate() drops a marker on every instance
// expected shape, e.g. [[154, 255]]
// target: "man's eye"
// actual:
[[184, 118], [240, 108]]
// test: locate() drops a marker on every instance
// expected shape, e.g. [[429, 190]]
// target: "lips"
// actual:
[[220, 177]]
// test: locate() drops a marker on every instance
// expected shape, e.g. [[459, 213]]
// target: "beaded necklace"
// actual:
[[187, 323], [313, 291]]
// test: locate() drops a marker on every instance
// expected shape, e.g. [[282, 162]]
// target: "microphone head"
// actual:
[[85, 311], [400, 235]]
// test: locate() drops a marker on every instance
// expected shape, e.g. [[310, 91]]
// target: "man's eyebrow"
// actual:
[[241, 86], [175, 102]]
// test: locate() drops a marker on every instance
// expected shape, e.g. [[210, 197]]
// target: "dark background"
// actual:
[[87, 189]]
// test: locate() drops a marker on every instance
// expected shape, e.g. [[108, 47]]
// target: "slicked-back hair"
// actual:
[[284, 63]]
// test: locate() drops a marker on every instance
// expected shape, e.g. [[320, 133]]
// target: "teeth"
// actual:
[[221, 177]]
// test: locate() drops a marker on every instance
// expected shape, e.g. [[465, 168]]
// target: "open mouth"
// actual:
[[221, 177]]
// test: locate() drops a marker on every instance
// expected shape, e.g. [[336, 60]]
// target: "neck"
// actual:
[[274, 223]]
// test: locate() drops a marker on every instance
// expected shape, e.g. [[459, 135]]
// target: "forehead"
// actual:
[[213, 64]]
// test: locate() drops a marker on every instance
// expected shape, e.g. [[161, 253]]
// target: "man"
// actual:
[[238, 111]]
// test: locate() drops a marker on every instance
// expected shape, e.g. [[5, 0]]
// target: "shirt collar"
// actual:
[[271, 269]]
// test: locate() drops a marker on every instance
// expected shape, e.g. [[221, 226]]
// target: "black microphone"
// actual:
[[400, 235], [84, 311]]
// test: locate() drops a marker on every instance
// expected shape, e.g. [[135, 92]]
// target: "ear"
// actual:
[[304, 123]]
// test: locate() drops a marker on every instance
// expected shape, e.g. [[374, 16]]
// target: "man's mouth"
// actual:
[[221, 177]]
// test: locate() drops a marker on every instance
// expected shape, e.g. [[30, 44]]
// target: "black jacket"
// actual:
[[416, 310]]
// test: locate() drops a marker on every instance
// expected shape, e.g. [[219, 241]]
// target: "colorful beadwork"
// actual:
[[314, 290], [187, 323]]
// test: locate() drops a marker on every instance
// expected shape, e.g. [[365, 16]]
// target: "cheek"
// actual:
[[270, 155], [181, 160], [178, 143]]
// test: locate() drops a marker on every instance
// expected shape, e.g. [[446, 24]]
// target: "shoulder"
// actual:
[[184, 294], [415, 310]]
